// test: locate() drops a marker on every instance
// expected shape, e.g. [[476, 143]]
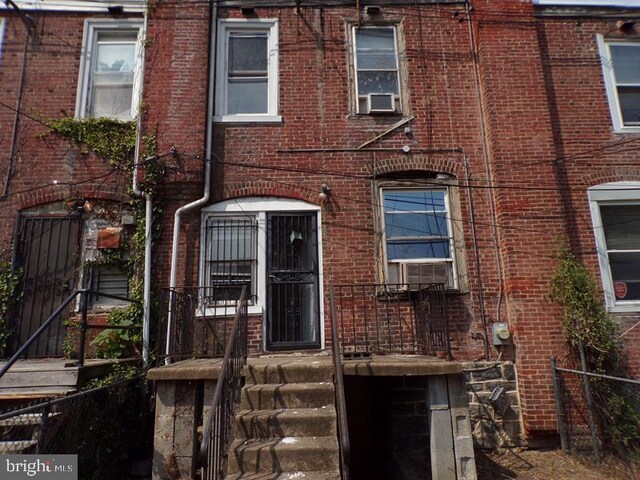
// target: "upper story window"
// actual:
[[615, 210], [377, 70], [419, 243], [110, 67], [621, 67], [247, 71]]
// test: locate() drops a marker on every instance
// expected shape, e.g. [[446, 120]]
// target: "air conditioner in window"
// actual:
[[381, 103], [403, 276]]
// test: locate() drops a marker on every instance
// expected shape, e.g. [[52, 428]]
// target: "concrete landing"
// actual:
[[300, 364], [50, 377]]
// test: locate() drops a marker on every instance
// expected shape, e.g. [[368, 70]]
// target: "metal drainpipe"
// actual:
[[16, 118], [207, 176], [146, 309]]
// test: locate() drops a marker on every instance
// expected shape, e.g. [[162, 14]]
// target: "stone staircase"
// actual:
[[286, 427]]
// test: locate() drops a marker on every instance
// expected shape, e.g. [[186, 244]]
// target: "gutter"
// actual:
[[207, 178]]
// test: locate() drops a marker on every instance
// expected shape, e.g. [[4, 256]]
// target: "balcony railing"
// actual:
[[196, 322], [391, 319]]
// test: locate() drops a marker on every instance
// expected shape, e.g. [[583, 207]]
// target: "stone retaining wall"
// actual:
[[494, 405]]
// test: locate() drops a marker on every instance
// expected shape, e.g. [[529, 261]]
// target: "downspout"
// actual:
[[148, 218], [213, 27], [28, 23]]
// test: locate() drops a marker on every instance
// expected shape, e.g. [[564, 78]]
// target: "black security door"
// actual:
[[47, 254], [293, 312]]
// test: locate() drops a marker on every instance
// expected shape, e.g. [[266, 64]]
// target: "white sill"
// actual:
[[633, 129], [226, 311], [630, 307], [248, 119]]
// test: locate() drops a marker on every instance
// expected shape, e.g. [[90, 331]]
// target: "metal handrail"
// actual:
[[216, 427], [341, 403], [84, 326]]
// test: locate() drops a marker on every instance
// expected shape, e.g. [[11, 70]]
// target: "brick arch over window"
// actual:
[[270, 189], [46, 196], [419, 163], [620, 175]]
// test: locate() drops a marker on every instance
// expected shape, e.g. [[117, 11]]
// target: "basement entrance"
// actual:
[[388, 428]]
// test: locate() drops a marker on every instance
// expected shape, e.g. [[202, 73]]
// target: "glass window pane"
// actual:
[[625, 271], [247, 96], [377, 82], [415, 200], [377, 61], [247, 53], [626, 63], [409, 249], [115, 57], [111, 101], [630, 104], [416, 225], [375, 40], [621, 224]]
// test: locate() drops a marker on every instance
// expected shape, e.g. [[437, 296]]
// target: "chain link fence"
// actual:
[[597, 414], [110, 428]]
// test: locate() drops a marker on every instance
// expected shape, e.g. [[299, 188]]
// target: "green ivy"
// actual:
[[9, 296], [115, 141], [587, 326]]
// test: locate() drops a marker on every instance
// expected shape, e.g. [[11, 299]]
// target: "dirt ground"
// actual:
[[549, 465]]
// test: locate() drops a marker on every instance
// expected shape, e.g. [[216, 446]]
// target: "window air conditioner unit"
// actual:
[[405, 276], [417, 274], [381, 103]]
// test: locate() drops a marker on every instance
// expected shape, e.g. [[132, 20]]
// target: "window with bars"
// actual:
[[110, 280], [230, 257]]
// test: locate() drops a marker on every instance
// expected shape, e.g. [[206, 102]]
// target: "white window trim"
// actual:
[[2, 22], [610, 85], [611, 194], [92, 28], [354, 52], [452, 246], [263, 25], [258, 207]]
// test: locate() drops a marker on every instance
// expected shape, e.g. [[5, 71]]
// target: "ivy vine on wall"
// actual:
[[588, 326], [115, 141]]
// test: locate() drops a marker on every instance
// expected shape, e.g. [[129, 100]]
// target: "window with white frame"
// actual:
[[247, 71], [418, 239], [2, 21], [110, 69], [621, 67], [230, 257], [615, 210], [377, 69], [234, 253]]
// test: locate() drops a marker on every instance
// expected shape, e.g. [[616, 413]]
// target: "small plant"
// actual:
[[589, 328], [9, 297]]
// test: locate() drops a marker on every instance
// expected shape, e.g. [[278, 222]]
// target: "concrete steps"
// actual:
[[286, 428]]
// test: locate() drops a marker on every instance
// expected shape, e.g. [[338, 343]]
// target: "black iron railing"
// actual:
[[196, 322], [83, 327], [218, 421], [391, 319], [108, 428], [341, 402]]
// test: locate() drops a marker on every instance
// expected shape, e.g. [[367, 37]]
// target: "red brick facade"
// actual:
[[502, 99]]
